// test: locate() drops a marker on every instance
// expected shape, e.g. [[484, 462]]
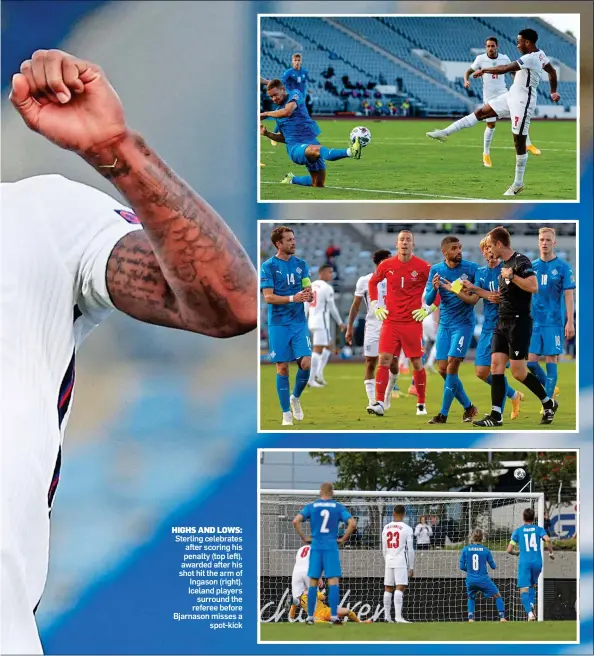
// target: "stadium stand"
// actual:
[[390, 51]]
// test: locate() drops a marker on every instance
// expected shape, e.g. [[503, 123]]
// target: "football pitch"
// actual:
[[402, 163], [423, 632], [341, 405]]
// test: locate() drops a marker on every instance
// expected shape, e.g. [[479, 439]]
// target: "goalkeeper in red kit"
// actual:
[[406, 276]]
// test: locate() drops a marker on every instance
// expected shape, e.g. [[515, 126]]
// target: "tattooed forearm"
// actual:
[[190, 271]]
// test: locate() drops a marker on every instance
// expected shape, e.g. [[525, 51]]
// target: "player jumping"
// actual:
[[511, 339], [552, 310], [519, 103], [399, 556], [325, 514], [299, 132], [71, 254], [372, 331], [527, 540], [473, 560], [487, 279], [285, 283], [405, 275], [318, 313], [493, 87], [456, 323]]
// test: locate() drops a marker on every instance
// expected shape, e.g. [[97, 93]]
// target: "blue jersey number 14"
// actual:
[[530, 540], [290, 278]]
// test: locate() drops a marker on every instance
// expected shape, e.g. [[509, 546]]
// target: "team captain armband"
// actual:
[[306, 282]]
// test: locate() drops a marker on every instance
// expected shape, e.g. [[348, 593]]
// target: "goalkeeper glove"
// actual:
[[422, 313], [380, 312]]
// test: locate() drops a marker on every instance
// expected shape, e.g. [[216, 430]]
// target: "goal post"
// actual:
[[436, 592]]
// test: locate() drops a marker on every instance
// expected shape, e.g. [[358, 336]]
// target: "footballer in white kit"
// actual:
[[399, 557], [519, 103], [69, 255], [373, 325], [299, 578], [319, 312]]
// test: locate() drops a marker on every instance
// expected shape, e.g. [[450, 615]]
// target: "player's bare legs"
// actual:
[[197, 275], [482, 113], [488, 137], [420, 383]]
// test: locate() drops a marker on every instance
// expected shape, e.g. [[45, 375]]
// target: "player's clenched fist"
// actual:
[[67, 100]]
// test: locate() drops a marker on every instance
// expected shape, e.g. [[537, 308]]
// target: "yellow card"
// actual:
[[457, 286]]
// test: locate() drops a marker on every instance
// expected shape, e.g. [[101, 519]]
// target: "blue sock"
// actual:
[[461, 395], [303, 180], [538, 371], [332, 154], [525, 597], [450, 387], [500, 607], [333, 595], [551, 379], [312, 600], [471, 609], [532, 594], [300, 381], [282, 387]]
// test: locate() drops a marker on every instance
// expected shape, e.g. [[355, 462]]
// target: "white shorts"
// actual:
[[320, 337], [516, 108], [396, 576], [371, 339], [429, 330], [299, 584]]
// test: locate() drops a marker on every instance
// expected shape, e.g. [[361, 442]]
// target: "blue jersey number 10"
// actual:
[[530, 540]]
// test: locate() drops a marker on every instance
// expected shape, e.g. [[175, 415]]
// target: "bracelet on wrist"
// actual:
[[291, 299]]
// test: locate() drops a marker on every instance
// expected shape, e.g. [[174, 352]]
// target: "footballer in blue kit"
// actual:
[[474, 560], [286, 285], [487, 287], [456, 323], [296, 77], [299, 132], [325, 516], [527, 539], [552, 311]]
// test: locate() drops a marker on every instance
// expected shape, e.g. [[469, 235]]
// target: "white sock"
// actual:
[[398, 599], [489, 134], [387, 605], [370, 389], [349, 152], [464, 122], [520, 168], [391, 382], [402, 360], [432, 355], [315, 363], [528, 142], [324, 361]]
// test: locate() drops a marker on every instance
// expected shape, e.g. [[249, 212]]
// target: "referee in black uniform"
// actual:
[[511, 339]]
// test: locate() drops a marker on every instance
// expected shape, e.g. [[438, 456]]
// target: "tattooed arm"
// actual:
[[187, 270]]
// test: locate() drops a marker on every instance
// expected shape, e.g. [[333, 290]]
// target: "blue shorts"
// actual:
[[528, 575], [297, 155], [453, 342], [547, 340], [486, 587], [288, 343], [482, 357], [326, 561]]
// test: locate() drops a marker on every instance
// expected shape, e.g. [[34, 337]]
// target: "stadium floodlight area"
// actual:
[[436, 592]]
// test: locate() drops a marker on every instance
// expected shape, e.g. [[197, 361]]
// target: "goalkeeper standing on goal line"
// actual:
[[473, 561], [399, 554], [325, 514]]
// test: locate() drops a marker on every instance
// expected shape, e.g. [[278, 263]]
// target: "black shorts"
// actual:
[[512, 337]]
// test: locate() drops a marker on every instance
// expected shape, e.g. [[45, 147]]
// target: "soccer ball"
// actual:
[[520, 474], [363, 133]]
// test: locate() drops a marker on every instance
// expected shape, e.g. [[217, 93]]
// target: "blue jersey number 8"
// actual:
[[475, 562]]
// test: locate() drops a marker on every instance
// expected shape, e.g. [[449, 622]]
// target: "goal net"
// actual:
[[436, 592]]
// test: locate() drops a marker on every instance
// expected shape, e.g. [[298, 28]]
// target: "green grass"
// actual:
[[341, 405], [424, 632], [403, 163]]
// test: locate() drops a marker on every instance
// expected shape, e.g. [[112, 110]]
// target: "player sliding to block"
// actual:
[[325, 515], [519, 103], [527, 538], [299, 132], [473, 560]]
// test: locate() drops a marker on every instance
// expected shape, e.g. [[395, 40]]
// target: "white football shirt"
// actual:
[[493, 85], [322, 307], [57, 236], [299, 579], [528, 78], [362, 291], [397, 545]]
